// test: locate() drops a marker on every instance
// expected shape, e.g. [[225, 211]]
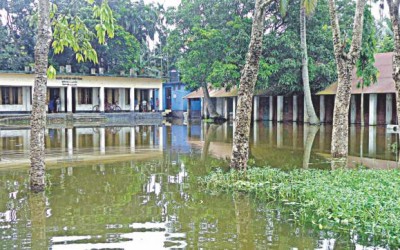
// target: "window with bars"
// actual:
[[85, 96], [11, 95]]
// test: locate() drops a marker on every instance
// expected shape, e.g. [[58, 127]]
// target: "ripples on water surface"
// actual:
[[136, 188]]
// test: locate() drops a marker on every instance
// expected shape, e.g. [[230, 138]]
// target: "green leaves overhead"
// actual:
[[71, 31]]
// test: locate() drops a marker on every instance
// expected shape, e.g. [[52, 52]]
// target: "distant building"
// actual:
[[379, 101], [174, 91], [79, 93]]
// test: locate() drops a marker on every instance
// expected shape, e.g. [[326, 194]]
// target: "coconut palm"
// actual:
[[306, 8]]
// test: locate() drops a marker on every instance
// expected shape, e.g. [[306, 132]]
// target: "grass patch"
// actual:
[[363, 202]]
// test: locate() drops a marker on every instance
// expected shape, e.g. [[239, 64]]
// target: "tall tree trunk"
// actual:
[[38, 120], [208, 102], [345, 63], [362, 106], [394, 17], [240, 148], [312, 117]]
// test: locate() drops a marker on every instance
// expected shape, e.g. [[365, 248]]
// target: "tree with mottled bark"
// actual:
[[240, 148], [38, 117], [306, 8], [394, 17], [66, 34], [345, 62]]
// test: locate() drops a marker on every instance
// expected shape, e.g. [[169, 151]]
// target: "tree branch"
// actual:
[[337, 42], [357, 32]]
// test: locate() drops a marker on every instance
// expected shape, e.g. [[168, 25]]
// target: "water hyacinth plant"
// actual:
[[365, 203]]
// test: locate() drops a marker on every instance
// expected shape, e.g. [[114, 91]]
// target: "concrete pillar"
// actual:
[[225, 128], [62, 99], [101, 99], [255, 132], [372, 141], [271, 133], [102, 132], [352, 139], [353, 109], [133, 139], [373, 109], [132, 99], [122, 97], [70, 142], [295, 135], [63, 139], [26, 98], [161, 138], [271, 108], [255, 108], [226, 113], [389, 108], [96, 138], [234, 107], [69, 99], [279, 109], [322, 108], [160, 99], [295, 109], [322, 138], [279, 135]]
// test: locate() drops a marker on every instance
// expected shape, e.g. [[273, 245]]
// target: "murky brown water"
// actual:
[[136, 188]]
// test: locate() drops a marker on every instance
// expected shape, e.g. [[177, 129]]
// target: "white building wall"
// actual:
[[62, 81]]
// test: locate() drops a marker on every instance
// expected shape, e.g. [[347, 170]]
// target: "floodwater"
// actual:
[[136, 187]]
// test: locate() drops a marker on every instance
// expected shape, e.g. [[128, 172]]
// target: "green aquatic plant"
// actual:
[[361, 202]]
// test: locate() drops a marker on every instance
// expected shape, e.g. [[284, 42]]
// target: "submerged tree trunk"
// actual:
[[208, 103], [345, 63], [394, 17], [312, 117], [38, 117], [240, 148]]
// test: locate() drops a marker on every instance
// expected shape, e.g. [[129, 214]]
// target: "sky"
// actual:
[[167, 3]]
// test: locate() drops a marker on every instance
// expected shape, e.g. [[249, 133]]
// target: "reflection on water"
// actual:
[[155, 203]]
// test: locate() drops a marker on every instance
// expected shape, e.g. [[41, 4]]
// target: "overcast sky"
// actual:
[[167, 3]]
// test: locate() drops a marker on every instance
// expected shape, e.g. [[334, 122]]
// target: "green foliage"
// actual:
[[283, 53], [363, 202], [384, 35], [16, 39], [365, 64], [71, 31]]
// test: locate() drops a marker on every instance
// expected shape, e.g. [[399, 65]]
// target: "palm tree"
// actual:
[[240, 148], [306, 8]]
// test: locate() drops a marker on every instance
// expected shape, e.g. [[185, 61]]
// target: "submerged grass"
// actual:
[[364, 202]]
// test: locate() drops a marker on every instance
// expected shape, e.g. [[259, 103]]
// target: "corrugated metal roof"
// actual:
[[385, 83]]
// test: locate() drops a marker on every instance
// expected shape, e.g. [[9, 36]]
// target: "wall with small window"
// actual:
[[84, 99], [14, 99]]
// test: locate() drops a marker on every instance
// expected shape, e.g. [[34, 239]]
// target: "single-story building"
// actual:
[[379, 101], [82, 93], [174, 91]]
